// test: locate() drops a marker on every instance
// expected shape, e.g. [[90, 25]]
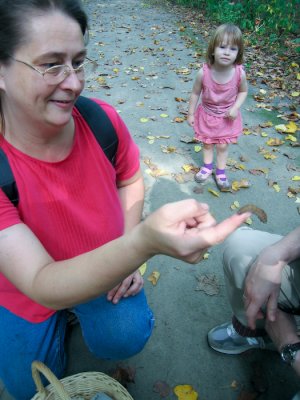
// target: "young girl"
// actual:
[[222, 84]]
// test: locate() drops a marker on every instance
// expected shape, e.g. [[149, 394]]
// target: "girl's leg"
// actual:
[[21, 343], [116, 331], [206, 170], [222, 154]]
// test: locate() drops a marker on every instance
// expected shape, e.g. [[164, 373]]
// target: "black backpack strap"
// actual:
[[100, 125], [7, 180]]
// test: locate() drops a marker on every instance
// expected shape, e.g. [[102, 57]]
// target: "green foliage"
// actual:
[[270, 20]]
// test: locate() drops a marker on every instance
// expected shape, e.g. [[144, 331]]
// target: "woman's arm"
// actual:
[[183, 230]]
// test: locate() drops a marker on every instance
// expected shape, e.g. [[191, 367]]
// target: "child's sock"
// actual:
[[221, 172], [208, 166]]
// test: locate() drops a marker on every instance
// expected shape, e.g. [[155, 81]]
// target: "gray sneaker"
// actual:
[[225, 339]]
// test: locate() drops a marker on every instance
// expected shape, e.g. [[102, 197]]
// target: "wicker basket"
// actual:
[[85, 385]]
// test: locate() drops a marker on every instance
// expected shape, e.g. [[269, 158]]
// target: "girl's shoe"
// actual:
[[203, 174], [222, 182]]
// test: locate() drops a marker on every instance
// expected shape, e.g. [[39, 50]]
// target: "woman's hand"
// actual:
[[184, 230], [130, 286]]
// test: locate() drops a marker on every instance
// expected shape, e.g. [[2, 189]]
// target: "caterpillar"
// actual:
[[254, 210]]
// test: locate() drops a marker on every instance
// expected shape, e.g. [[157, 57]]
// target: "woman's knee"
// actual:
[[120, 340]]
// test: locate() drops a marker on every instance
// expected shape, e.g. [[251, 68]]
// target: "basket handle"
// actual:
[[38, 367]]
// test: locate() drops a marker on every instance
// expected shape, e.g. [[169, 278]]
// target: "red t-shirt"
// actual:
[[72, 206]]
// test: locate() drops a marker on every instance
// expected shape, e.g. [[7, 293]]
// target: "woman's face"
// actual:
[[51, 39]]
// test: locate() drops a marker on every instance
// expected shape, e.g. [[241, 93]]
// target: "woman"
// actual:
[[63, 247]]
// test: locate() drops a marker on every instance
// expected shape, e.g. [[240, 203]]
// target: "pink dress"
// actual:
[[211, 126]]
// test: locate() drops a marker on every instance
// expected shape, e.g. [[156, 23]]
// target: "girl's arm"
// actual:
[[194, 98], [241, 97], [131, 193], [183, 230]]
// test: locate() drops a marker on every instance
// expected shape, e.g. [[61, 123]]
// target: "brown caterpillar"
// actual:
[[255, 210]]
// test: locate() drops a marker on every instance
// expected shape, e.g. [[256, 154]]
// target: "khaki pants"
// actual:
[[241, 250]]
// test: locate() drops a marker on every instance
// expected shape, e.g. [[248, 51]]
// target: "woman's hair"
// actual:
[[233, 35], [14, 15]]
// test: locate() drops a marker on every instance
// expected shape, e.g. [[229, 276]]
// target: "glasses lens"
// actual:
[[55, 75]]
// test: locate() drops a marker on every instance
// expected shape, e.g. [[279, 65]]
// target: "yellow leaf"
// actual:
[[248, 221], [274, 142], [291, 127], [280, 128], [151, 137], [298, 76], [143, 268], [264, 134], [187, 167], [178, 120], [276, 187], [263, 91], [135, 78], [197, 148], [205, 256], [164, 115], [235, 205], [291, 138], [116, 70], [295, 94], [144, 119], [185, 392], [151, 141], [294, 65], [246, 131], [296, 178], [269, 156], [154, 277], [237, 185], [215, 193], [297, 200]]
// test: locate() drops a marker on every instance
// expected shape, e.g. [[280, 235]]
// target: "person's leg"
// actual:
[[21, 343], [207, 167], [115, 331], [222, 155], [241, 249]]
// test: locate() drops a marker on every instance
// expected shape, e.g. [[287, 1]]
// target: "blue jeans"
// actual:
[[110, 332]]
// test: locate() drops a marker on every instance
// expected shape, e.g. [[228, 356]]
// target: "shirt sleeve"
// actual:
[[8, 212]]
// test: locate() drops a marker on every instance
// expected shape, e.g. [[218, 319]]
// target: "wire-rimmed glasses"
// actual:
[[58, 73]]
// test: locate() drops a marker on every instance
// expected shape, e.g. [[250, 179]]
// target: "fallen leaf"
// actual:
[[208, 283], [144, 119], [197, 148], [214, 192], [162, 388], [296, 178], [154, 277], [164, 115], [143, 268], [185, 392]]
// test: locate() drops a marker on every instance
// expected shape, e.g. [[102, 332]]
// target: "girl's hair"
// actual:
[[233, 35], [15, 14]]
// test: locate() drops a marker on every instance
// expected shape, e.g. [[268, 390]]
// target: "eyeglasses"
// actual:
[[58, 73]]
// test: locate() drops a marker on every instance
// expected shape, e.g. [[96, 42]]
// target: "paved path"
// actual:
[[145, 64]]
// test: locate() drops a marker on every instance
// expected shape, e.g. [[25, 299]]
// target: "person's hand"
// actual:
[[130, 286], [191, 120], [184, 230], [262, 286], [232, 113]]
